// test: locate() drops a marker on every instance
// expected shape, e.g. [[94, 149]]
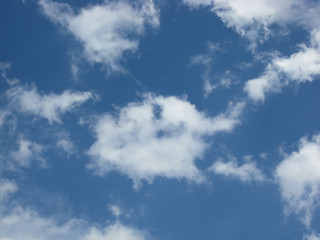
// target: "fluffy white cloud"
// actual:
[[50, 106], [299, 178], [300, 67], [252, 18], [106, 31], [161, 136], [247, 172], [20, 223]]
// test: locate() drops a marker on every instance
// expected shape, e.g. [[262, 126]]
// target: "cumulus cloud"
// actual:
[[253, 18], [107, 31], [19, 223], [299, 178], [50, 106], [302, 66], [160, 136], [247, 172]]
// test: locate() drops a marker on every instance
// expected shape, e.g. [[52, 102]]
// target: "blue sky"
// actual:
[[141, 120]]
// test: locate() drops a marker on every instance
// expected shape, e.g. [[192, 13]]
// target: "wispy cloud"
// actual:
[[207, 61], [247, 172], [26, 153], [27, 100]]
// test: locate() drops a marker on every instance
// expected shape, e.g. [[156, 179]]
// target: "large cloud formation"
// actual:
[[161, 136]]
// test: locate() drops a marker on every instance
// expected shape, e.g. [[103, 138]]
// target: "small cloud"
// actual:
[[263, 155], [247, 172], [115, 210], [27, 153], [6, 189], [28, 100]]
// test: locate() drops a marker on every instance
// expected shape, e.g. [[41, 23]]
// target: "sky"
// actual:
[[159, 120]]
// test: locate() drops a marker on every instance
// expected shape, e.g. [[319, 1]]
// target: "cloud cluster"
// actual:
[[299, 178], [160, 136], [22, 100], [254, 19], [107, 31]]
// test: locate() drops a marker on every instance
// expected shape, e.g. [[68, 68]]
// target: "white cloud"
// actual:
[[65, 143], [4, 67], [6, 188], [27, 153], [299, 178], [49, 106], [21, 223], [107, 31], [312, 236], [300, 67], [252, 18], [207, 61], [247, 172], [115, 210], [116, 231], [3, 115], [161, 136]]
